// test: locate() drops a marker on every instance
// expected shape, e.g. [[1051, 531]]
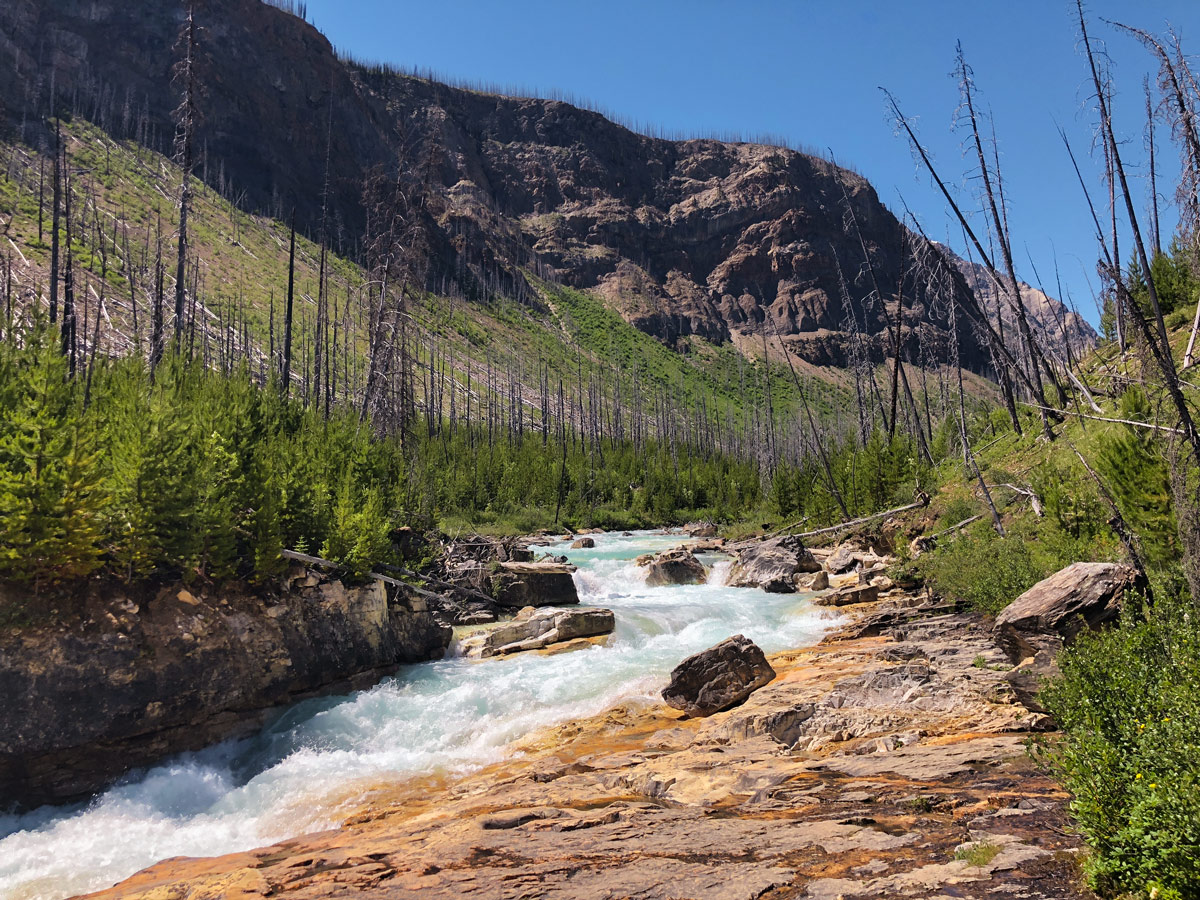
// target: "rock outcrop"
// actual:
[[861, 593], [520, 584], [678, 566], [718, 678], [773, 565], [137, 678], [537, 629]]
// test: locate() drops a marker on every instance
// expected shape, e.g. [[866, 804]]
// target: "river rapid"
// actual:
[[314, 763]]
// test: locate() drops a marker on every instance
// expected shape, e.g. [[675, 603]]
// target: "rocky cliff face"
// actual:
[[724, 241], [134, 679], [1059, 326]]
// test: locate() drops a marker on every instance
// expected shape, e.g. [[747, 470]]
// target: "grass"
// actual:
[[978, 854]]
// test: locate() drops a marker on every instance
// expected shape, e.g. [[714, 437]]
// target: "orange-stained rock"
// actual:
[[857, 772]]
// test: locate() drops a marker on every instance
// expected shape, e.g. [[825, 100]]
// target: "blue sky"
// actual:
[[810, 72]]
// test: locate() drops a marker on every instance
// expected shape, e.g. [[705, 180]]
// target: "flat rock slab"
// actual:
[[866, 593], [537, 629]]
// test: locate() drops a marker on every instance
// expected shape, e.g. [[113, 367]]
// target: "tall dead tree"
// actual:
[[286, 377], [54, 221], [185, 131], [1007, 286], [997, 344]]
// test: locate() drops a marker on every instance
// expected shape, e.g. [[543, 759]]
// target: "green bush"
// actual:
[[1128, 702], [990, 571]]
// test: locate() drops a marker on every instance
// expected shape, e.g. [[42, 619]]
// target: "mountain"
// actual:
[[725, 242], [1058, 326]]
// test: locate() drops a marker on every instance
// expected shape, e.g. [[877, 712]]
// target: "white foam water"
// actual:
[[309, 767]]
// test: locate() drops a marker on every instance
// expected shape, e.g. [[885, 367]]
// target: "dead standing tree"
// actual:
[[990, 180], [396, 253], [186, 120], [998, 345], [1156, 339]]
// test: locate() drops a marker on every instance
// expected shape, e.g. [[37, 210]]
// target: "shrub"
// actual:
[[1128, 702], [990, 571]]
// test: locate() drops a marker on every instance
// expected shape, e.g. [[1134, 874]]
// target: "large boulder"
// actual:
[[521, 584], [583, 543], [535, 629], [1053, 611], [773, 565], [719, 677], [700, 530], [678, 566], [1037, 625]]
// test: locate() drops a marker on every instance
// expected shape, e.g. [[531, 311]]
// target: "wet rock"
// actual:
[[520, 584], [677, 566], [700, 530], [535, 629], [1053, 611], [718, 678], [773, 565], [583, 543]]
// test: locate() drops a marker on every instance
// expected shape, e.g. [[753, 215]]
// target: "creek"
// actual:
[[314, 763]]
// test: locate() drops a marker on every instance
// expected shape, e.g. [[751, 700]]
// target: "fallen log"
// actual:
[[330, 564], [922, 500], [437, 582]]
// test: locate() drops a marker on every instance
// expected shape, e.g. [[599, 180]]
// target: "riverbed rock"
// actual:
[[859, 593], [132, 679], [536, 629], [719, 677], [700, 530], [1053, 611], [819, 581], [520, 584], [678, 566], [843, 559], [583, 543], [773, 565]]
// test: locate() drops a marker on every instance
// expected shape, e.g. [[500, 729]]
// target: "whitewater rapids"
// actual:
[[313, 764]]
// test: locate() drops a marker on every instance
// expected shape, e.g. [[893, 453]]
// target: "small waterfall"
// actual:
[[718, 575]]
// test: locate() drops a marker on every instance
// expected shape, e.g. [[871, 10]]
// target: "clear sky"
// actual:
[[809, 72]]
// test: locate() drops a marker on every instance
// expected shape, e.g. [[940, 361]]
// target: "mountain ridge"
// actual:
[[735, 243]]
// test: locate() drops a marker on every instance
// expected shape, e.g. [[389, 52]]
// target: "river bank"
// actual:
[[887, 760]]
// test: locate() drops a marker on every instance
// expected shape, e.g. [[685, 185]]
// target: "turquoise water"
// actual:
[[309, 767]]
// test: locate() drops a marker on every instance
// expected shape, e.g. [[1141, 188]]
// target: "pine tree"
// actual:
[[50, 495]]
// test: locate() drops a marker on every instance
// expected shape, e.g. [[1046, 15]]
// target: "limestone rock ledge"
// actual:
[[857, 773], [138, 678]]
